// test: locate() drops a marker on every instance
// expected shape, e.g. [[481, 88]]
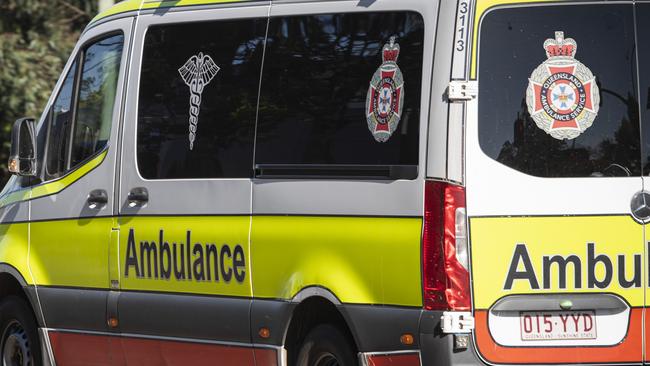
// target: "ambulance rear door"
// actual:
[[553, 163]]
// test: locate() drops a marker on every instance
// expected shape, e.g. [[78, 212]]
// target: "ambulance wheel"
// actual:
[[325, 345], [19, 344]]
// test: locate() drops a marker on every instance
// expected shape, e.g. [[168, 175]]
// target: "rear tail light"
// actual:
[[445, 256]]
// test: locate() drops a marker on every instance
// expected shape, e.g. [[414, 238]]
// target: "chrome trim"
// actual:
[[164, 338], [47, 355], [315, 291]]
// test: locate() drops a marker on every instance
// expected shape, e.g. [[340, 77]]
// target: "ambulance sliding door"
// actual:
[[185, 191], [553, 162]]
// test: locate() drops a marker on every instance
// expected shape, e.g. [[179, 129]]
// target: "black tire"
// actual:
[[19, 344], [326, 345]]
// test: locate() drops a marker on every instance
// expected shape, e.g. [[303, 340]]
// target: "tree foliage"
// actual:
[[36, 38]]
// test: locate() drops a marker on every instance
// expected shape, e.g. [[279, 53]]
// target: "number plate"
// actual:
[[554, 325]]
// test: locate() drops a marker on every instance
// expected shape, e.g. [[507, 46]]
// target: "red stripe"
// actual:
[[71, 349], [411, 359], [628, 351], [80, 349], [266, 357]]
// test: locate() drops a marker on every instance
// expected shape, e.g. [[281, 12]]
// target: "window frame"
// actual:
[[352, 172], [476, 55], [77, 60], [138, 81]]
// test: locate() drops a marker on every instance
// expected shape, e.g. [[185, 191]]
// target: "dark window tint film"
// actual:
[[643, 24], [97, 89], [59, 127], [198, 97], [317, 74], [511, 47]]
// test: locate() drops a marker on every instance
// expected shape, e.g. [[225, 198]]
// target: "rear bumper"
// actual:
[[437, 348], [377, 330], [432, 346]]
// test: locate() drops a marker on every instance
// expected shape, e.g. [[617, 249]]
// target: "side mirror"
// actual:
[[22, 158]]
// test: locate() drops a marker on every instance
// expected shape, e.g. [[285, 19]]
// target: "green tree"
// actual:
[[36, 38]]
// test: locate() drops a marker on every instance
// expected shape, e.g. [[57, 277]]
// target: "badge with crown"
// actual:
[[562, 95], [385, 97]]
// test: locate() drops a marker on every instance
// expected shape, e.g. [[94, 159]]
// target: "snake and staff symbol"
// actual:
[[197, 72]]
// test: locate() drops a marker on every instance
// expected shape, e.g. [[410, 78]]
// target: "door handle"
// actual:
[[640, 206], [97, 199], [138, 196]]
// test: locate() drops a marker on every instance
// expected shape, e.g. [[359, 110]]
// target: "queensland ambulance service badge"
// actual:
[[562, 95], [385, 96]]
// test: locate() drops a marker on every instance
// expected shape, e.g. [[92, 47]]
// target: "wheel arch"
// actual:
[[313, 306], [12, 282]]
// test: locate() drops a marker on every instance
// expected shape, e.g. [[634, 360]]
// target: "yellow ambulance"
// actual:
[[341, 182]]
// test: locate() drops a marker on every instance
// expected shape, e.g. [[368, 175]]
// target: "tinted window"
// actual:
[[317, 75], [97, 89], [511, 47], [643, 24], [94, 97], [198, 97], [59, 130]]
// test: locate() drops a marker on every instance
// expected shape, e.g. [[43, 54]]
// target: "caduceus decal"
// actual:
[[197, 72]]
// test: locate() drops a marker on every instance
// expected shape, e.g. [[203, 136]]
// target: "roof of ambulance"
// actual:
[[134, 5]]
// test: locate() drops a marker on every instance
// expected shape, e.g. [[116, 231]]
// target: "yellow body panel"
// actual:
[[230, 231], [361, 260], [71, 252], [493, 243], [13, 248], [62, 253]]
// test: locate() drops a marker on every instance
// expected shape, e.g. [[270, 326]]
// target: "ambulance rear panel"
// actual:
[[554, 167]]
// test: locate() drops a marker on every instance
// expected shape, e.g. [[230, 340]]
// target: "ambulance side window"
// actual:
[[97, 91], [60, 120], [198, 97], [512, 56], [318, 74], [81, 116]]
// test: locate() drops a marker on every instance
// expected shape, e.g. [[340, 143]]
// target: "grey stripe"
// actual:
[[83, 309], [215, 319], [272, 314], [36, 306], [185, 316], [149, 314], [379, 328]]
